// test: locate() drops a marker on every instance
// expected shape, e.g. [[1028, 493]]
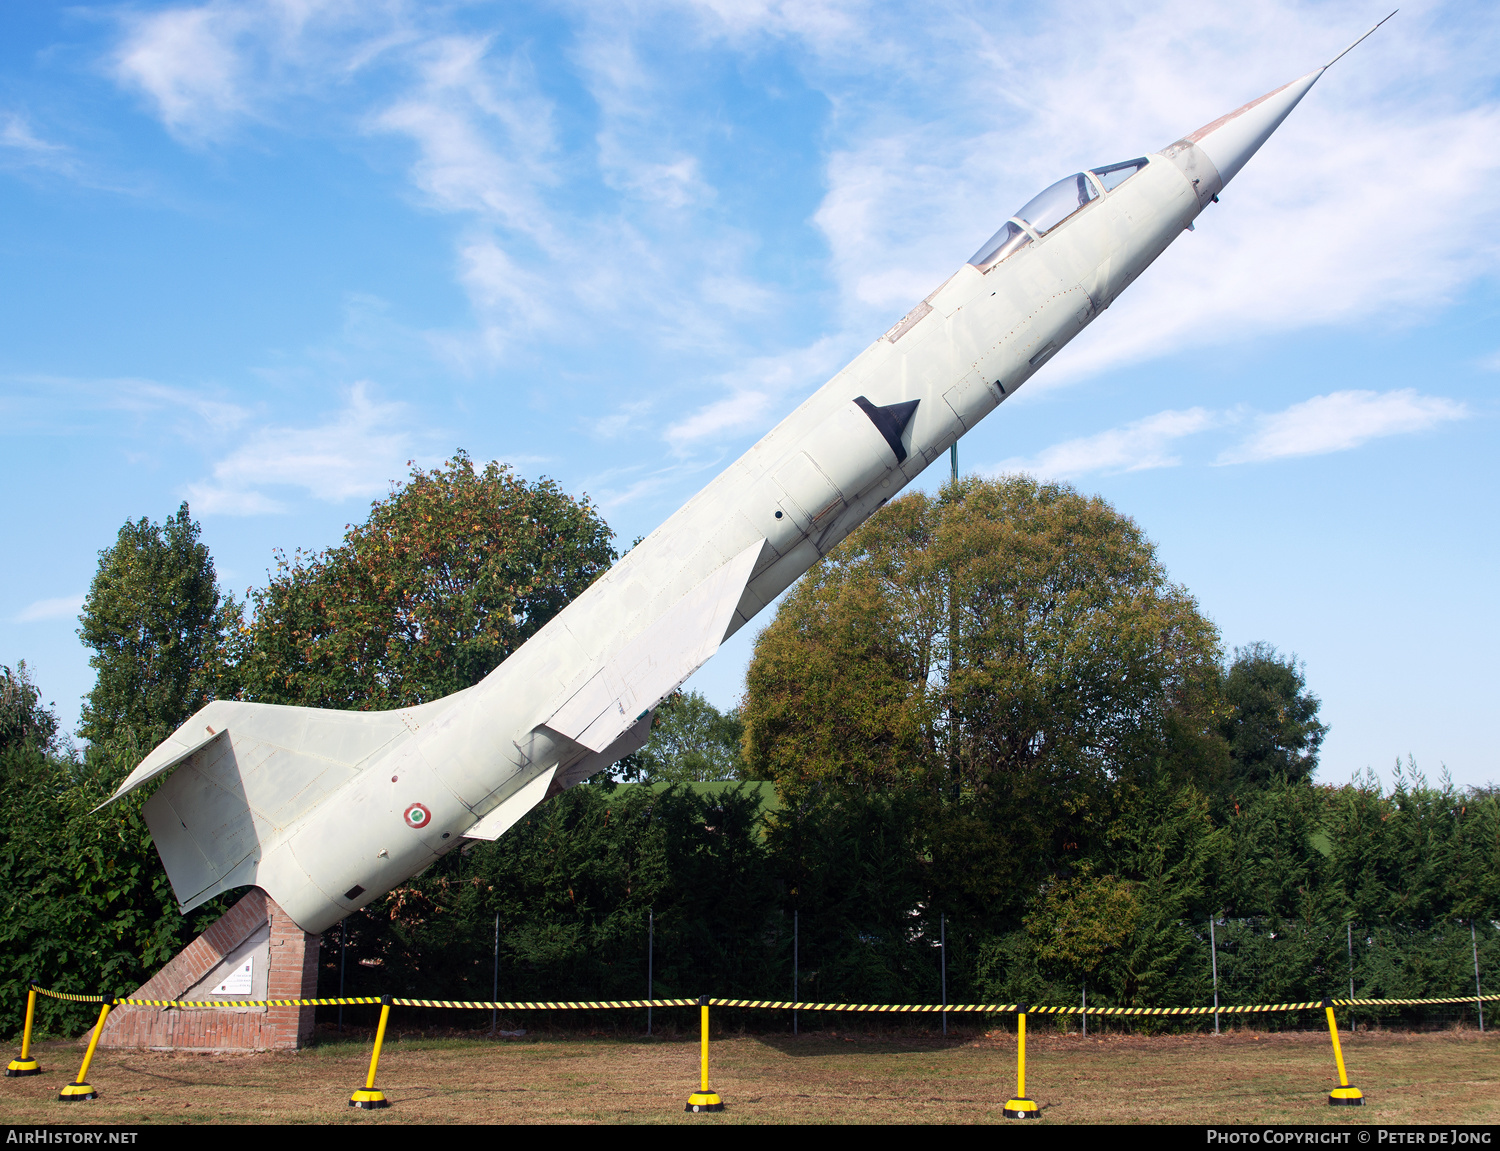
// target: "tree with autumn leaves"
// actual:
[[448, 576]]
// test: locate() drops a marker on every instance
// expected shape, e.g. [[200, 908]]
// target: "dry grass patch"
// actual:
[[1241, 1077]]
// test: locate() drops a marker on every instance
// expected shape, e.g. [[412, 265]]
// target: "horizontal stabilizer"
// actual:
[[504, 817], [654, 663]]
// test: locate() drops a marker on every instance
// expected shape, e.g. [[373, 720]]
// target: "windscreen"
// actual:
[[1116, 174], [1008, 239]]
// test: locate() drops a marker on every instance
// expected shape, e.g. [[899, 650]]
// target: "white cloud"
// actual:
[[1134, 447], [1324, 226], [1340, 421], [47, 609], [62, 405], [1333, 423], [206, 68], [940, 121], [757, 392], [482, 132], [16, 135], [357, 452], [185, 60]]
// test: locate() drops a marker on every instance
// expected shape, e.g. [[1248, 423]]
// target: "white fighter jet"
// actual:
[[328, 810]]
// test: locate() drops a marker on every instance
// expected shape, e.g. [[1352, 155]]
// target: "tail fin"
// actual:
[[243, 774]]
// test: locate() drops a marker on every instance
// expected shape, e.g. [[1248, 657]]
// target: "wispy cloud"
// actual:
[[1133, 447], [48, 609], [1333, 423], [757, 392], [21, 144], [940, 122], [1340, 421], [186, 61], [357, 451], [63, 405]]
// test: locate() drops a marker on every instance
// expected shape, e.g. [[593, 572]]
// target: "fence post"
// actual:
[[1213, 954], [1021, 1107], [1473, 941], [343, 951], [79, 1089], [368, 1098], [1343, 1095], [943, 945], [703, 1099], [1084, 1012], [26, 1065], [794, 971], [650, 963], [1349, 935], [495, 978]]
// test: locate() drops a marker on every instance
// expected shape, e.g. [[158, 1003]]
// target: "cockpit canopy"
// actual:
[[1051, 207], [1046, 211]]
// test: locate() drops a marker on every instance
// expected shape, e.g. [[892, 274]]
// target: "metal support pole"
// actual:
[[343, 952], [1473, 941], [943, 944], [495, 977], [953, 461], [1213, 952], [1349, 935], [1084, 1012], [794, 970], [79, 1088], [650, 963]]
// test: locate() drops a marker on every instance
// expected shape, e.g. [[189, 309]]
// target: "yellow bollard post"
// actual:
[[80, 1089], [1021, 1107], [703, 1099], [26, 1065], [1343, 1095], [368, 1098]]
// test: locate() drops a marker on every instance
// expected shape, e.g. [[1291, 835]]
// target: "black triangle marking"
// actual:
[[890, 421]]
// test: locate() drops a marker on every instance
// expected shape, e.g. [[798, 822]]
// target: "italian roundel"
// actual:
[[418, 816]]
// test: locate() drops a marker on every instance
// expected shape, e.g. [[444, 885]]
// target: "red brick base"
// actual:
[[291, 972]]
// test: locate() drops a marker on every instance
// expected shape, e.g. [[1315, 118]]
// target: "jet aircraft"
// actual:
[[329, 810]]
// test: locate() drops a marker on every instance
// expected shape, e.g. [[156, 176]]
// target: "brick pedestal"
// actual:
[[284, 965]]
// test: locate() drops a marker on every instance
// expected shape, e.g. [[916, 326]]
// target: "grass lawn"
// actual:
[[827, 1077]]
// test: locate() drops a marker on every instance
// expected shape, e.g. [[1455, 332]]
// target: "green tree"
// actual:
[[450, 574], [24, 720], [1076, 665], [691, 742], [1078, 922], [1272, 724], [161, 631]]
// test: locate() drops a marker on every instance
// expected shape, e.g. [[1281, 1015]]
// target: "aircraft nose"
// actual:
[[1231, 140]]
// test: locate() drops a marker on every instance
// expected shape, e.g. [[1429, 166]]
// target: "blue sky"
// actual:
[[259, 255]]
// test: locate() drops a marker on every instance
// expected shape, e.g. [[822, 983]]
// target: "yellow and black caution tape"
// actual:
[[248, 1002], [601, 1005], [766, 1004], [66, 996]]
